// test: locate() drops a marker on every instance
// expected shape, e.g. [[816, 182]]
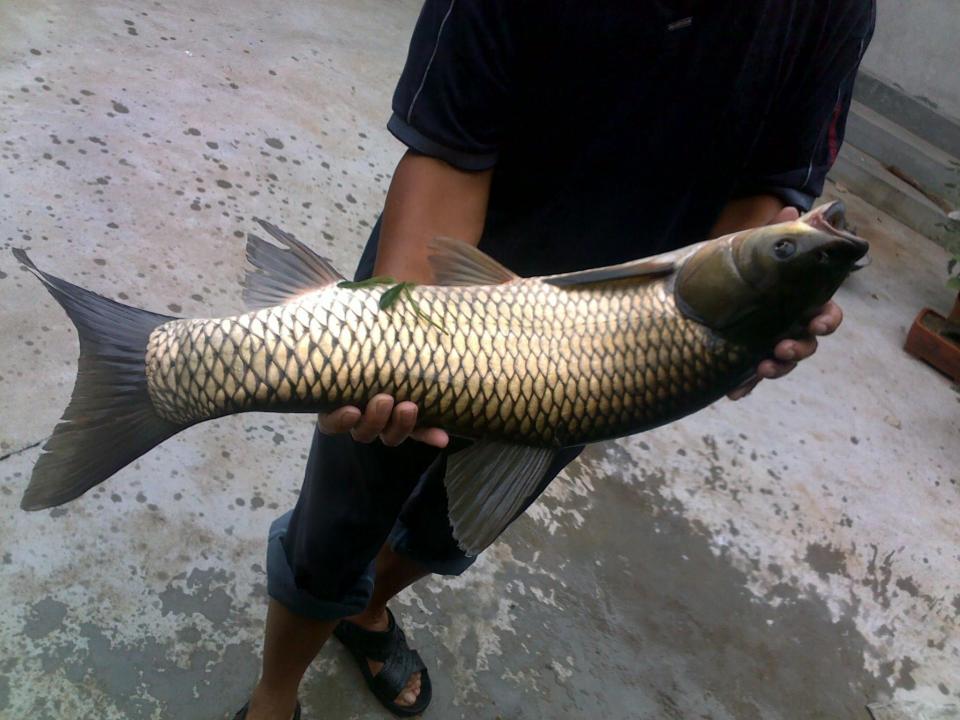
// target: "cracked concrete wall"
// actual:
[[790, 556]]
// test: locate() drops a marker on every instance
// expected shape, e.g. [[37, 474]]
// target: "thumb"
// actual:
[[788, 214]]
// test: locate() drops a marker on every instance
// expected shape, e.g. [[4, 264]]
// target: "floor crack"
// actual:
[[21, 450]]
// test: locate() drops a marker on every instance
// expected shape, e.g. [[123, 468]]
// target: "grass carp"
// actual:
[[523, 366]]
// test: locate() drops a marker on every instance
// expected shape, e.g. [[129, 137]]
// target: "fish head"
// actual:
[[765, 283]]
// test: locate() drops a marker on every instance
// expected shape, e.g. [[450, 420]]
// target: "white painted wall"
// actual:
[[917, 47]]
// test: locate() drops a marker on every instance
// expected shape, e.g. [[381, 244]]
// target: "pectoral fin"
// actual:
[[651, 267], [277, 275], [487, 485]]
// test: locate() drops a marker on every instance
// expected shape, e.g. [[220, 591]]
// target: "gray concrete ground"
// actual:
[[794, 555]]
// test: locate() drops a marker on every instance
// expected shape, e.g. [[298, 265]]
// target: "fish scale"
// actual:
[[525, 361]]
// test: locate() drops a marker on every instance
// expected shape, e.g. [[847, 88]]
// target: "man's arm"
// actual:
[[759, 210], [427, 198]]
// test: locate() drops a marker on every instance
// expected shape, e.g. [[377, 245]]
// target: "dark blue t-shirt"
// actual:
[[620, 129]]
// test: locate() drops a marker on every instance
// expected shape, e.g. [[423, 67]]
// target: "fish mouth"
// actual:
[[830, 219]]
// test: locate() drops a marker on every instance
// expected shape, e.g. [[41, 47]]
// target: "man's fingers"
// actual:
[[788, 214], [827, 320], [374, 419], [400, 425], [793, 350], [772, 369], [339, 421], [391, 423], [741, 391], [431, 436]]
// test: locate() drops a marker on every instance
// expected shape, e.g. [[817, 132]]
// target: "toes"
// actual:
[[408, 696]]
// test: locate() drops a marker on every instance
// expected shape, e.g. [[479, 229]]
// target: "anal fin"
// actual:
[[487, 485]]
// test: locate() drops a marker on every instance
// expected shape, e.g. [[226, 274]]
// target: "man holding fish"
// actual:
[[558, 138], [558, 142]]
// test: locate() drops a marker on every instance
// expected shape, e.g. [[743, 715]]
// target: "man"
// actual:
[[557, 136]]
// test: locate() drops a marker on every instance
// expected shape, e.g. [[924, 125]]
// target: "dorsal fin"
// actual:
[[279, 275], [458, 263], [652, 267]]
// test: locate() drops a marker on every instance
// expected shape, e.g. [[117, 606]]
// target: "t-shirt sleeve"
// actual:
[[801, 139], [452, 100]]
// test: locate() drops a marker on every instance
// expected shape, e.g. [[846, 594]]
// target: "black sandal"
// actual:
[[243, 713], [399, 663]]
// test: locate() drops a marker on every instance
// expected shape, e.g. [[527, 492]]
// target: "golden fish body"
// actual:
[[526, 361], [522, 365]]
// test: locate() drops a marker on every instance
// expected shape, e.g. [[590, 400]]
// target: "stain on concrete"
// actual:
[[143, 682], [879, 574], [45, 617], [685, 618], [4, 692], [203, 592], [905, 677], [826, 559], [908, 586]]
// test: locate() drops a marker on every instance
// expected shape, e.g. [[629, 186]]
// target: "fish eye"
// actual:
[[784, 248]]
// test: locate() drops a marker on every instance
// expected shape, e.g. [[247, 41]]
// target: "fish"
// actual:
[[521, 366]]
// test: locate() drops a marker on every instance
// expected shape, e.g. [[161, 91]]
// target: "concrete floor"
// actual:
[[794, 555]]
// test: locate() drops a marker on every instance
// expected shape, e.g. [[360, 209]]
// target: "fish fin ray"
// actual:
[[278, 275], [110, 420], [652, 268], [487, 485], [455, 262]]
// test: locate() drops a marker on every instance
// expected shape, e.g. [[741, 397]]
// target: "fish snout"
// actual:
[[845, 251], [830, 219]]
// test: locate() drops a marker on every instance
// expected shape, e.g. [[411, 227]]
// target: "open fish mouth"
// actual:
[[830, 218]]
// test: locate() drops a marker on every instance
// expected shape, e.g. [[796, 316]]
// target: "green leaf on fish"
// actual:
[[368, 283], [416, 307], [392, 294]]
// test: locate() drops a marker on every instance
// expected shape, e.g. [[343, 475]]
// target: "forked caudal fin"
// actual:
[[110, 420]]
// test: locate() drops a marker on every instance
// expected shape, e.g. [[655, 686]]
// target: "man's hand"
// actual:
[[789, 352], [391, 422]]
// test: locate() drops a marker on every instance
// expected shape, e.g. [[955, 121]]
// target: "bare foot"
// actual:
[[411, 691]]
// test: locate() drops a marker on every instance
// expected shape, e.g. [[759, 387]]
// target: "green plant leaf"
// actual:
[[420, 313], [368, 283], [954, 283], [391, 295]]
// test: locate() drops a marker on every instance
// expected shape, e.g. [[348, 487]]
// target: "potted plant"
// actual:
[[934, 338]]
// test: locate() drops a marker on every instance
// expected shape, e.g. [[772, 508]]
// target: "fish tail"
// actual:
[[110, 420]]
